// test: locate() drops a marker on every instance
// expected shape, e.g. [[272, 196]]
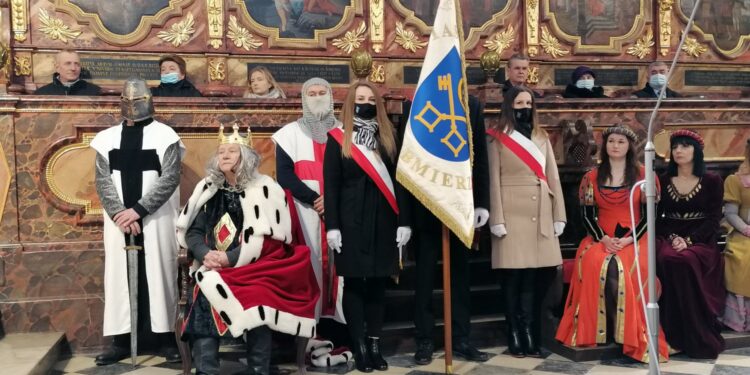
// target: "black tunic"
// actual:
[[355, 206]]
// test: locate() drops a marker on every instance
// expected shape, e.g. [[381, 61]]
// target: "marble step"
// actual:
[[31, 353]]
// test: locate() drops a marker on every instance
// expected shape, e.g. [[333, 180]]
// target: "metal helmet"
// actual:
[[135, 102]]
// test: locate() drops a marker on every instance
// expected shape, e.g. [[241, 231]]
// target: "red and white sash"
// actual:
[[372, 166], [524, 149]]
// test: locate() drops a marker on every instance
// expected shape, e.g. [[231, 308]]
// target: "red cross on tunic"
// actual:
[[313, 170]]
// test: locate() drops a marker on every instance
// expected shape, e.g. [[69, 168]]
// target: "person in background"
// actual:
[[657, 81], [67, 78], [262, 85], [518, 72], [173, 80], [582, 84]]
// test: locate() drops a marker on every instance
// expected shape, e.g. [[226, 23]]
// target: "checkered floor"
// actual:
[[730, 362]]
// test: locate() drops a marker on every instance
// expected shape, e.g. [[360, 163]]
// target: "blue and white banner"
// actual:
[[435, 159]]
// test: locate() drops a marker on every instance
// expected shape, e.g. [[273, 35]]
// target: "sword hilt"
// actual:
[[130, 243]]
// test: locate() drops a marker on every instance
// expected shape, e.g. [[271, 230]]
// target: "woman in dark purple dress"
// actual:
[[689, 262]]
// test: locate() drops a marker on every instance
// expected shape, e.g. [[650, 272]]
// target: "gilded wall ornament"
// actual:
[[216, 70], [55, 28], [407, 39], [533, 77], [665, 25], [21, 65], [532, 26], [643, 46], [215, 11], [240, 36], [180, 32], [352, 39], [377, 24], [19, 11], [551, 45], [361, 63], [693, 48], [378, 73], [499, 41]]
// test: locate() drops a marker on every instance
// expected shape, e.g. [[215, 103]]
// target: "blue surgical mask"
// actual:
[[658, 81], [587, 84], [173, 77]]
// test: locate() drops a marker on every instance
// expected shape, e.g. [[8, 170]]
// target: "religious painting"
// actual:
[[121, 17], [475, 13], [726, 20], [596, 22], [297, 19]]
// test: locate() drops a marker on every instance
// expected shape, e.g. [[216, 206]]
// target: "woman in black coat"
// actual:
[[582, 84], [363, 221]]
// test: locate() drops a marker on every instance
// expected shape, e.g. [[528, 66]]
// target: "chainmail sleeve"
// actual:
[[166, 184], [105, 188]]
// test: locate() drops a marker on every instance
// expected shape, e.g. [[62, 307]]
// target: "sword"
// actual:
[[132, 250], [330, 277]]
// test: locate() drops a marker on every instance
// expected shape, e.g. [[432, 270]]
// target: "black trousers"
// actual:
[[364, 306], [428, 249]]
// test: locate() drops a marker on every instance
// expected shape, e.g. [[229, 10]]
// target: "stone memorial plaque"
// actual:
[[716, 78], [299, 73], [121, 69], [604, 77], [474, 74]]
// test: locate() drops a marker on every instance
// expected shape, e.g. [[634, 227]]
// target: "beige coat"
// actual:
[[526, 205]]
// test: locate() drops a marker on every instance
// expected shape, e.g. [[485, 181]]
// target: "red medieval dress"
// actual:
[[584, 322]]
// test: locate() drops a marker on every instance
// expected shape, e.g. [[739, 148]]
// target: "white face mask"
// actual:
[[658, 81], [319, 106], [587, 84]]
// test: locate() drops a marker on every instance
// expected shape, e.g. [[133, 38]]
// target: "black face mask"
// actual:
[[365, 111], [522, 114]]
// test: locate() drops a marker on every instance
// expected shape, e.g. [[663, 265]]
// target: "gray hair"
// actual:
[[245, 172], [657, 63]]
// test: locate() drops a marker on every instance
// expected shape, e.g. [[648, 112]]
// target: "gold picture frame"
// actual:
[[743, 43]]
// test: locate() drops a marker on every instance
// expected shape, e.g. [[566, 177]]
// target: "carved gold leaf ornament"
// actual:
[[179, 32], [666, 5], [533, 77], [377, 24], [665, 25], [215, 15], [216, 70], [378, 73], [18, 20], [551, 45], [643, 46], [241, 37], [499, 41], [22, 65], [55, 28], [693, 48], [407, 39], [352, 39]]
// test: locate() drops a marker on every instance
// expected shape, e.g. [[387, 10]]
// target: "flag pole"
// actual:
[[447, 315]]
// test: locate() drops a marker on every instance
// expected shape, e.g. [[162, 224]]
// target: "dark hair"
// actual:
[[518, 56], [507, 121], [632, 165], [699, 165], [175, 59]]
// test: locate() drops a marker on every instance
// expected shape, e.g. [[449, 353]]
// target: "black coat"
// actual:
[[423, 218], [648, 92], [507, 85], [572, 91], [355, 206], [182, 88], [81, 87]]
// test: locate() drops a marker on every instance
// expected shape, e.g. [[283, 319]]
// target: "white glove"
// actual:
[[403, 234], [499, 230], [559, 228], [334, 239], [481, 215]]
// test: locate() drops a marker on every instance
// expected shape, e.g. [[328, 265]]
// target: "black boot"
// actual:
[[528, 341], [169, 347], [205, 355], [361, 360], [119, 350], [259, 350], [373, 352], [510, 295]]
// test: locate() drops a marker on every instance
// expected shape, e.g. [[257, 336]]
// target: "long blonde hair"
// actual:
[[386, 134], [269, 78]]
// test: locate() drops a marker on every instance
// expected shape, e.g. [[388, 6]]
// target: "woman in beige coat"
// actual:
[[527, 212]]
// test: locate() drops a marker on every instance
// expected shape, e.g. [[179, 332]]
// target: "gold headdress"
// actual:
[[235, 138]]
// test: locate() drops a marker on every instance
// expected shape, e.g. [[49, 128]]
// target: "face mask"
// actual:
[[319, 105], [170, 77], [365, 111], [658, 81], [587, 84], [522, 114]]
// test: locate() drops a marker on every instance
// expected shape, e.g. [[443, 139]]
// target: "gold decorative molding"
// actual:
[[19, 15], [551, 45], [499, 41], [407, 39], [55, 28], [240, 36], [532, 27], [216, 69], [5, 177], [22, 65], [179, 32], [665, 25], [743, 40], [215, 13], [693, 48], [642, 47], [352, 39], [49, 174], [377, 24], [533, 77], [378, 73]]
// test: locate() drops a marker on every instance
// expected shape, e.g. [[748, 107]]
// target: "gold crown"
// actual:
[[235, 138]]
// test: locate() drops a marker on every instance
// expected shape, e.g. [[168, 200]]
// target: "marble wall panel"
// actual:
[[8, 197]]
